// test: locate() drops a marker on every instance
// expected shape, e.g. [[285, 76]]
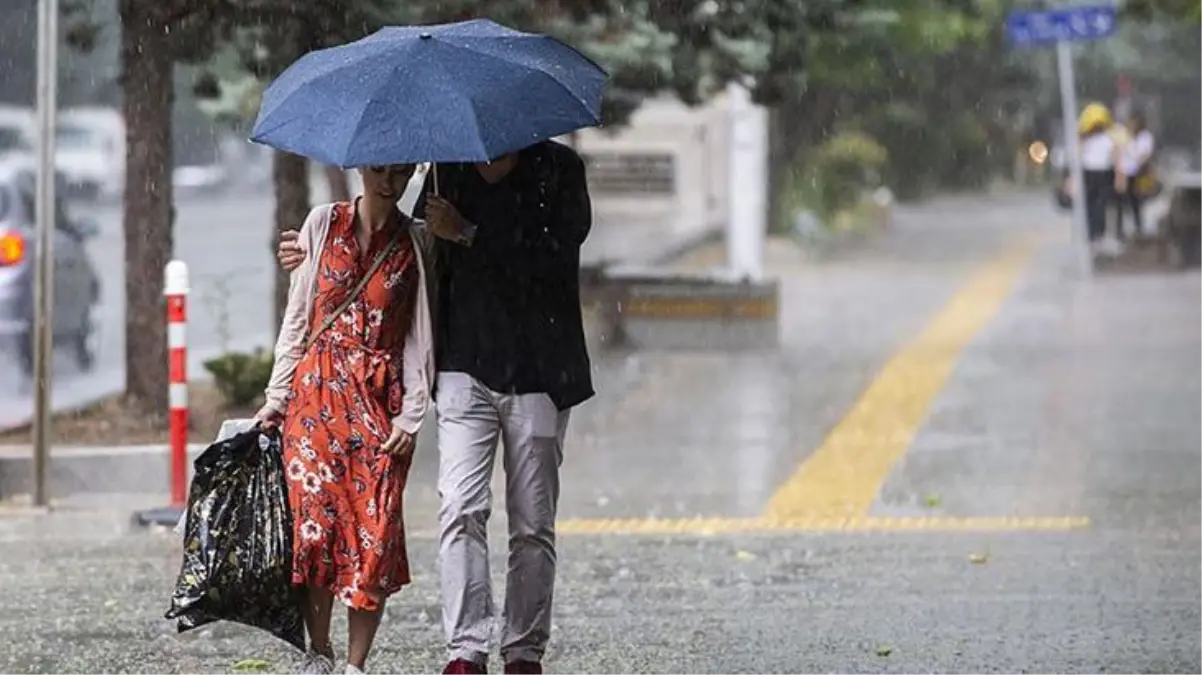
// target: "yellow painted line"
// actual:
[[714, 526], [841, 479], [24, 510], [701, 308]]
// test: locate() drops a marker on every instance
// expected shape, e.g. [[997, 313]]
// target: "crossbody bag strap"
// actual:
[[375, 265]]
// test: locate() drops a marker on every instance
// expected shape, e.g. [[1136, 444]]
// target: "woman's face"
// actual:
[[388, 181]]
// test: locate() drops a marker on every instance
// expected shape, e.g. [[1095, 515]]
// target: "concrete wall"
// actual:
[[696, 141]]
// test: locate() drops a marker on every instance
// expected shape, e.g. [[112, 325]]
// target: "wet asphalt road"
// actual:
[[1075, 400]]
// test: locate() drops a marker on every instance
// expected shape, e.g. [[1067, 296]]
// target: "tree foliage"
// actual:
[[952, 105], [899, 71], [1185, 11]]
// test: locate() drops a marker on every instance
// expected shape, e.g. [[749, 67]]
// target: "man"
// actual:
[[512, 362]]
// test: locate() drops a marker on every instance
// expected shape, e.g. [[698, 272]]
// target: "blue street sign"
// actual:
[[1069, 24]]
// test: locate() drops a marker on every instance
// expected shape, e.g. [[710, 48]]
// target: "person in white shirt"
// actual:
[[1135, 162], [1099, 154]]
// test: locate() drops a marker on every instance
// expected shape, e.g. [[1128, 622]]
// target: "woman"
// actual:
[[350, 386], [1098, 155], [1136, 182]]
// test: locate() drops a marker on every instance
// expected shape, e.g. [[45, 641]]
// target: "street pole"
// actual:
[[1068, 103], [43, 348]]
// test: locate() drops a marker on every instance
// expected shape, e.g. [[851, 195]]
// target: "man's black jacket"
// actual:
[[507, 309]]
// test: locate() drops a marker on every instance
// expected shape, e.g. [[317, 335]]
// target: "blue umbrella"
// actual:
[[458, 92]]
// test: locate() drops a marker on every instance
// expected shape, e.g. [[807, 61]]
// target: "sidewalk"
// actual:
[[739, 422], [1075, 400]]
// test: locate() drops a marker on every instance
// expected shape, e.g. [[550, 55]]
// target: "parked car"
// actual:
[[16, 139], [90, 152], [89, 148], [199, 180], [76, 284], [20, 119], [13, 141]]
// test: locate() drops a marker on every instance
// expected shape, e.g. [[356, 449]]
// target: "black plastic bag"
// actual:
[[237, 562]]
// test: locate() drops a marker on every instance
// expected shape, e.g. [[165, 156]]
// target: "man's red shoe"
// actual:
[[524, 667], [464, 667]]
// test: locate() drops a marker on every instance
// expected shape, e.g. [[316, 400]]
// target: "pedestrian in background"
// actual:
[[1099, 156], [511, 363], [1137, 181], [350, 387]]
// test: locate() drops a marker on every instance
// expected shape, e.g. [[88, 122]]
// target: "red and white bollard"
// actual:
[[175, 288]]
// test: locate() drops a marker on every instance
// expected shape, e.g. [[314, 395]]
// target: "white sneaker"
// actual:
[[1111, 246], [316, 664], [352, 670]]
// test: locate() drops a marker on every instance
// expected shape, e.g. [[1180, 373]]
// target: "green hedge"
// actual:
[[241, 378], [843, 167]]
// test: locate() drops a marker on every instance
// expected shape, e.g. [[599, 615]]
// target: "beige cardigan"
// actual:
[[417, 358]]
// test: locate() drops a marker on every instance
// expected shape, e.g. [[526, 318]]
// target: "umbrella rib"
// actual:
[[300, 91], [531, 69], [471, 108], [346, 148]]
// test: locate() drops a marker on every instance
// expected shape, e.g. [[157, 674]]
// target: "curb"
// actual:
[[25, 451], [599, 309], [83, 469], [688, 244], [116, 469]]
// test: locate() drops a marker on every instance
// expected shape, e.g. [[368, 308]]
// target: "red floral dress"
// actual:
[[346, 495]]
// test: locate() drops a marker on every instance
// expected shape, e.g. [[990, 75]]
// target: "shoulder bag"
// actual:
[[350, 298]]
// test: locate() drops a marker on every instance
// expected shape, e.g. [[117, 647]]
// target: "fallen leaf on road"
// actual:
[[110, 604], [884, 650], [978, 558], [932, 500], [745, 556], [251, 666]]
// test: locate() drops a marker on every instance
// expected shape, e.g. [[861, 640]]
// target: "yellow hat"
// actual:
[[1094, 117]]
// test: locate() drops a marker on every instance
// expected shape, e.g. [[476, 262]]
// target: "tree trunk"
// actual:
[[290, 177], [340, 189], [147, 84]]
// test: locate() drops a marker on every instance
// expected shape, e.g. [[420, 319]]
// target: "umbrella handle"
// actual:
[[434, 171]]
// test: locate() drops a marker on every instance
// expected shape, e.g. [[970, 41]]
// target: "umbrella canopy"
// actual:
[[459, 92]]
